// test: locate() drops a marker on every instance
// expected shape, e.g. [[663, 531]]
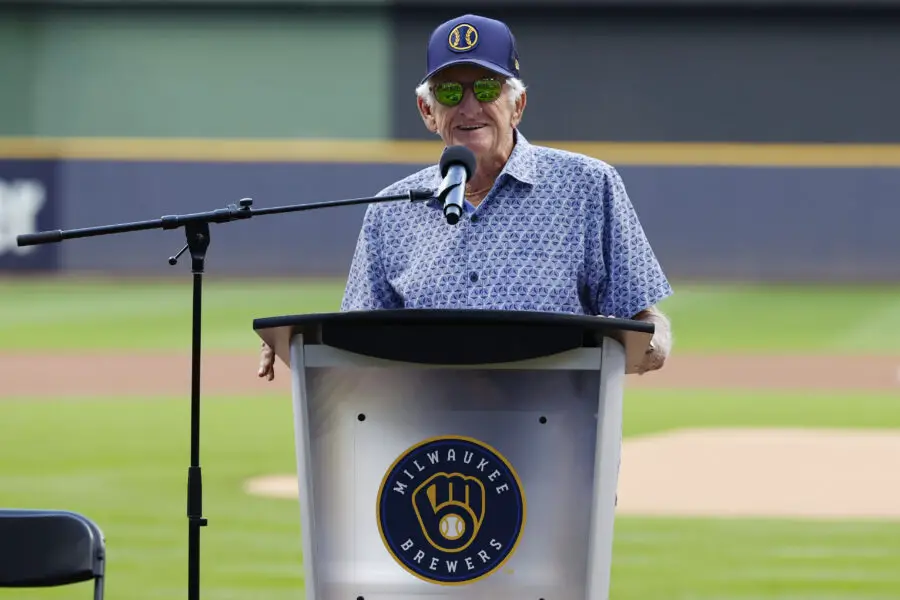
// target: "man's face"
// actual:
[[483, 127]]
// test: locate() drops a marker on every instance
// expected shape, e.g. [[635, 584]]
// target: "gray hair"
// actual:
[[514, 90]]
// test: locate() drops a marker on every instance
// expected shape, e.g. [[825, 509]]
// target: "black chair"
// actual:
[[48, 548]]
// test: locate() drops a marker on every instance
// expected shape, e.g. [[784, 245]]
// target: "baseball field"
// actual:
[[762, 463]]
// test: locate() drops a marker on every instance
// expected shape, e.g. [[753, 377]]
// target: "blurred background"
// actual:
[[758, 140], [753, 138]]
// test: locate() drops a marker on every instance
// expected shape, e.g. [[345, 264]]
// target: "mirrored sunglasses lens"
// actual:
[[449, 93], [487, 90]]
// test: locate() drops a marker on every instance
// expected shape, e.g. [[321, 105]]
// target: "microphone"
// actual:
[[457, 167]]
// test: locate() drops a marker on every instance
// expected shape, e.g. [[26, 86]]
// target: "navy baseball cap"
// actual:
[[475, 40]]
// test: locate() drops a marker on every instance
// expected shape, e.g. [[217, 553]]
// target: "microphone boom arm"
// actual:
[[243, 210]]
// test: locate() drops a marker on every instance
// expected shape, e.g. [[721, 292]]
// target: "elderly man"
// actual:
[[543, 229]]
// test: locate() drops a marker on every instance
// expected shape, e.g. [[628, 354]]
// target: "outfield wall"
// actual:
[[705, 222]]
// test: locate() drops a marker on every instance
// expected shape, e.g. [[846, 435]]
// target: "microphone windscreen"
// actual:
[[458, 155]]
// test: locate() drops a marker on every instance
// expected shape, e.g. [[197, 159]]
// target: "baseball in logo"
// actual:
[[451, 510]]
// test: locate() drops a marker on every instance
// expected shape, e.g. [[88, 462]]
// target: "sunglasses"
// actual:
[[450, 93]]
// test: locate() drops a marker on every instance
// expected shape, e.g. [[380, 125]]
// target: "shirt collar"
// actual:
[[520, 164]]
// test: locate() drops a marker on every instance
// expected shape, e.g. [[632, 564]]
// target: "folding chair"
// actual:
[[48, 548]]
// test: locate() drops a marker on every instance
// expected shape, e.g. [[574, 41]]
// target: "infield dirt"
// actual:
[[57, 376]]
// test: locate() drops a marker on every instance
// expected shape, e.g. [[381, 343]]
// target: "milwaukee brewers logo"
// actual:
[[462, 38], [451, 510]]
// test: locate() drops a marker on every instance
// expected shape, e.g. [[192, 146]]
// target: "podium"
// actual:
[[464, 454]]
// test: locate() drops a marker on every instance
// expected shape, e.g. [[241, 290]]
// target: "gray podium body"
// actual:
[[457, 454]]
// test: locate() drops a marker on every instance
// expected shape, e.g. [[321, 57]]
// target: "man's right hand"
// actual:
[[266, 362]]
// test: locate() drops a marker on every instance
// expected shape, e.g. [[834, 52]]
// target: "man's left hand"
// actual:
[[660, 345], [654, 359]]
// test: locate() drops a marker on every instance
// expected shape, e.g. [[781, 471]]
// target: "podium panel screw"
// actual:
[[542, 421], [361, 417]]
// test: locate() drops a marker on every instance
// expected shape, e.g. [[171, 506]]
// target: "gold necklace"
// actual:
[[479, 192]]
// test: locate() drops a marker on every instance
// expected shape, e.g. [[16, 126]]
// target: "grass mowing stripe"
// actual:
[[125, 464], [653, 411], [156, 315], [873, 332], [713, 559], [151, 316], [766, 318]]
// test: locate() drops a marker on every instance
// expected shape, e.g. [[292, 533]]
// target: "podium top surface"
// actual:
[[453, 337]]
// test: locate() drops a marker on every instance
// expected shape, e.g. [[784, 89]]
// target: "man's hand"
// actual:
[[266, 362], [660, 345], [654, 359]]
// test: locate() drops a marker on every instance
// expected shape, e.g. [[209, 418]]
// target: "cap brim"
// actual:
[[469, 61]]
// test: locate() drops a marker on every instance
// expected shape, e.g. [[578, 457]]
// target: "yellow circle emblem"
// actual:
[[463, 38]]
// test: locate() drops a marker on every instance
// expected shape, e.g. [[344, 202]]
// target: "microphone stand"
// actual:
[[196, 229]]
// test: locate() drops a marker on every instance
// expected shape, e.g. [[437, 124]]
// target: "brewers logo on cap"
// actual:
[[451, 510], [463, 37]]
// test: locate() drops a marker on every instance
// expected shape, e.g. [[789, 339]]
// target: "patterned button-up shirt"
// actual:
[[556, 233]]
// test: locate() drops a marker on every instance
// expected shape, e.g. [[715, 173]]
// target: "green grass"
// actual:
[[652, 411], [124, 463], [139, 315], [136, 315], [785, 318], [713, 559]]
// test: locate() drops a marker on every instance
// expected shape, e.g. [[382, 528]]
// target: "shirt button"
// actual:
[[473, 276], [474, 218]]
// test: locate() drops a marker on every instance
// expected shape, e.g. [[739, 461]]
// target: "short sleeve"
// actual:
[[624, 275], [367, 285]]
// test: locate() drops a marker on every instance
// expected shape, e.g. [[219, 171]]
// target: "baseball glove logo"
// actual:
[[450, 521], [451, 510]]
